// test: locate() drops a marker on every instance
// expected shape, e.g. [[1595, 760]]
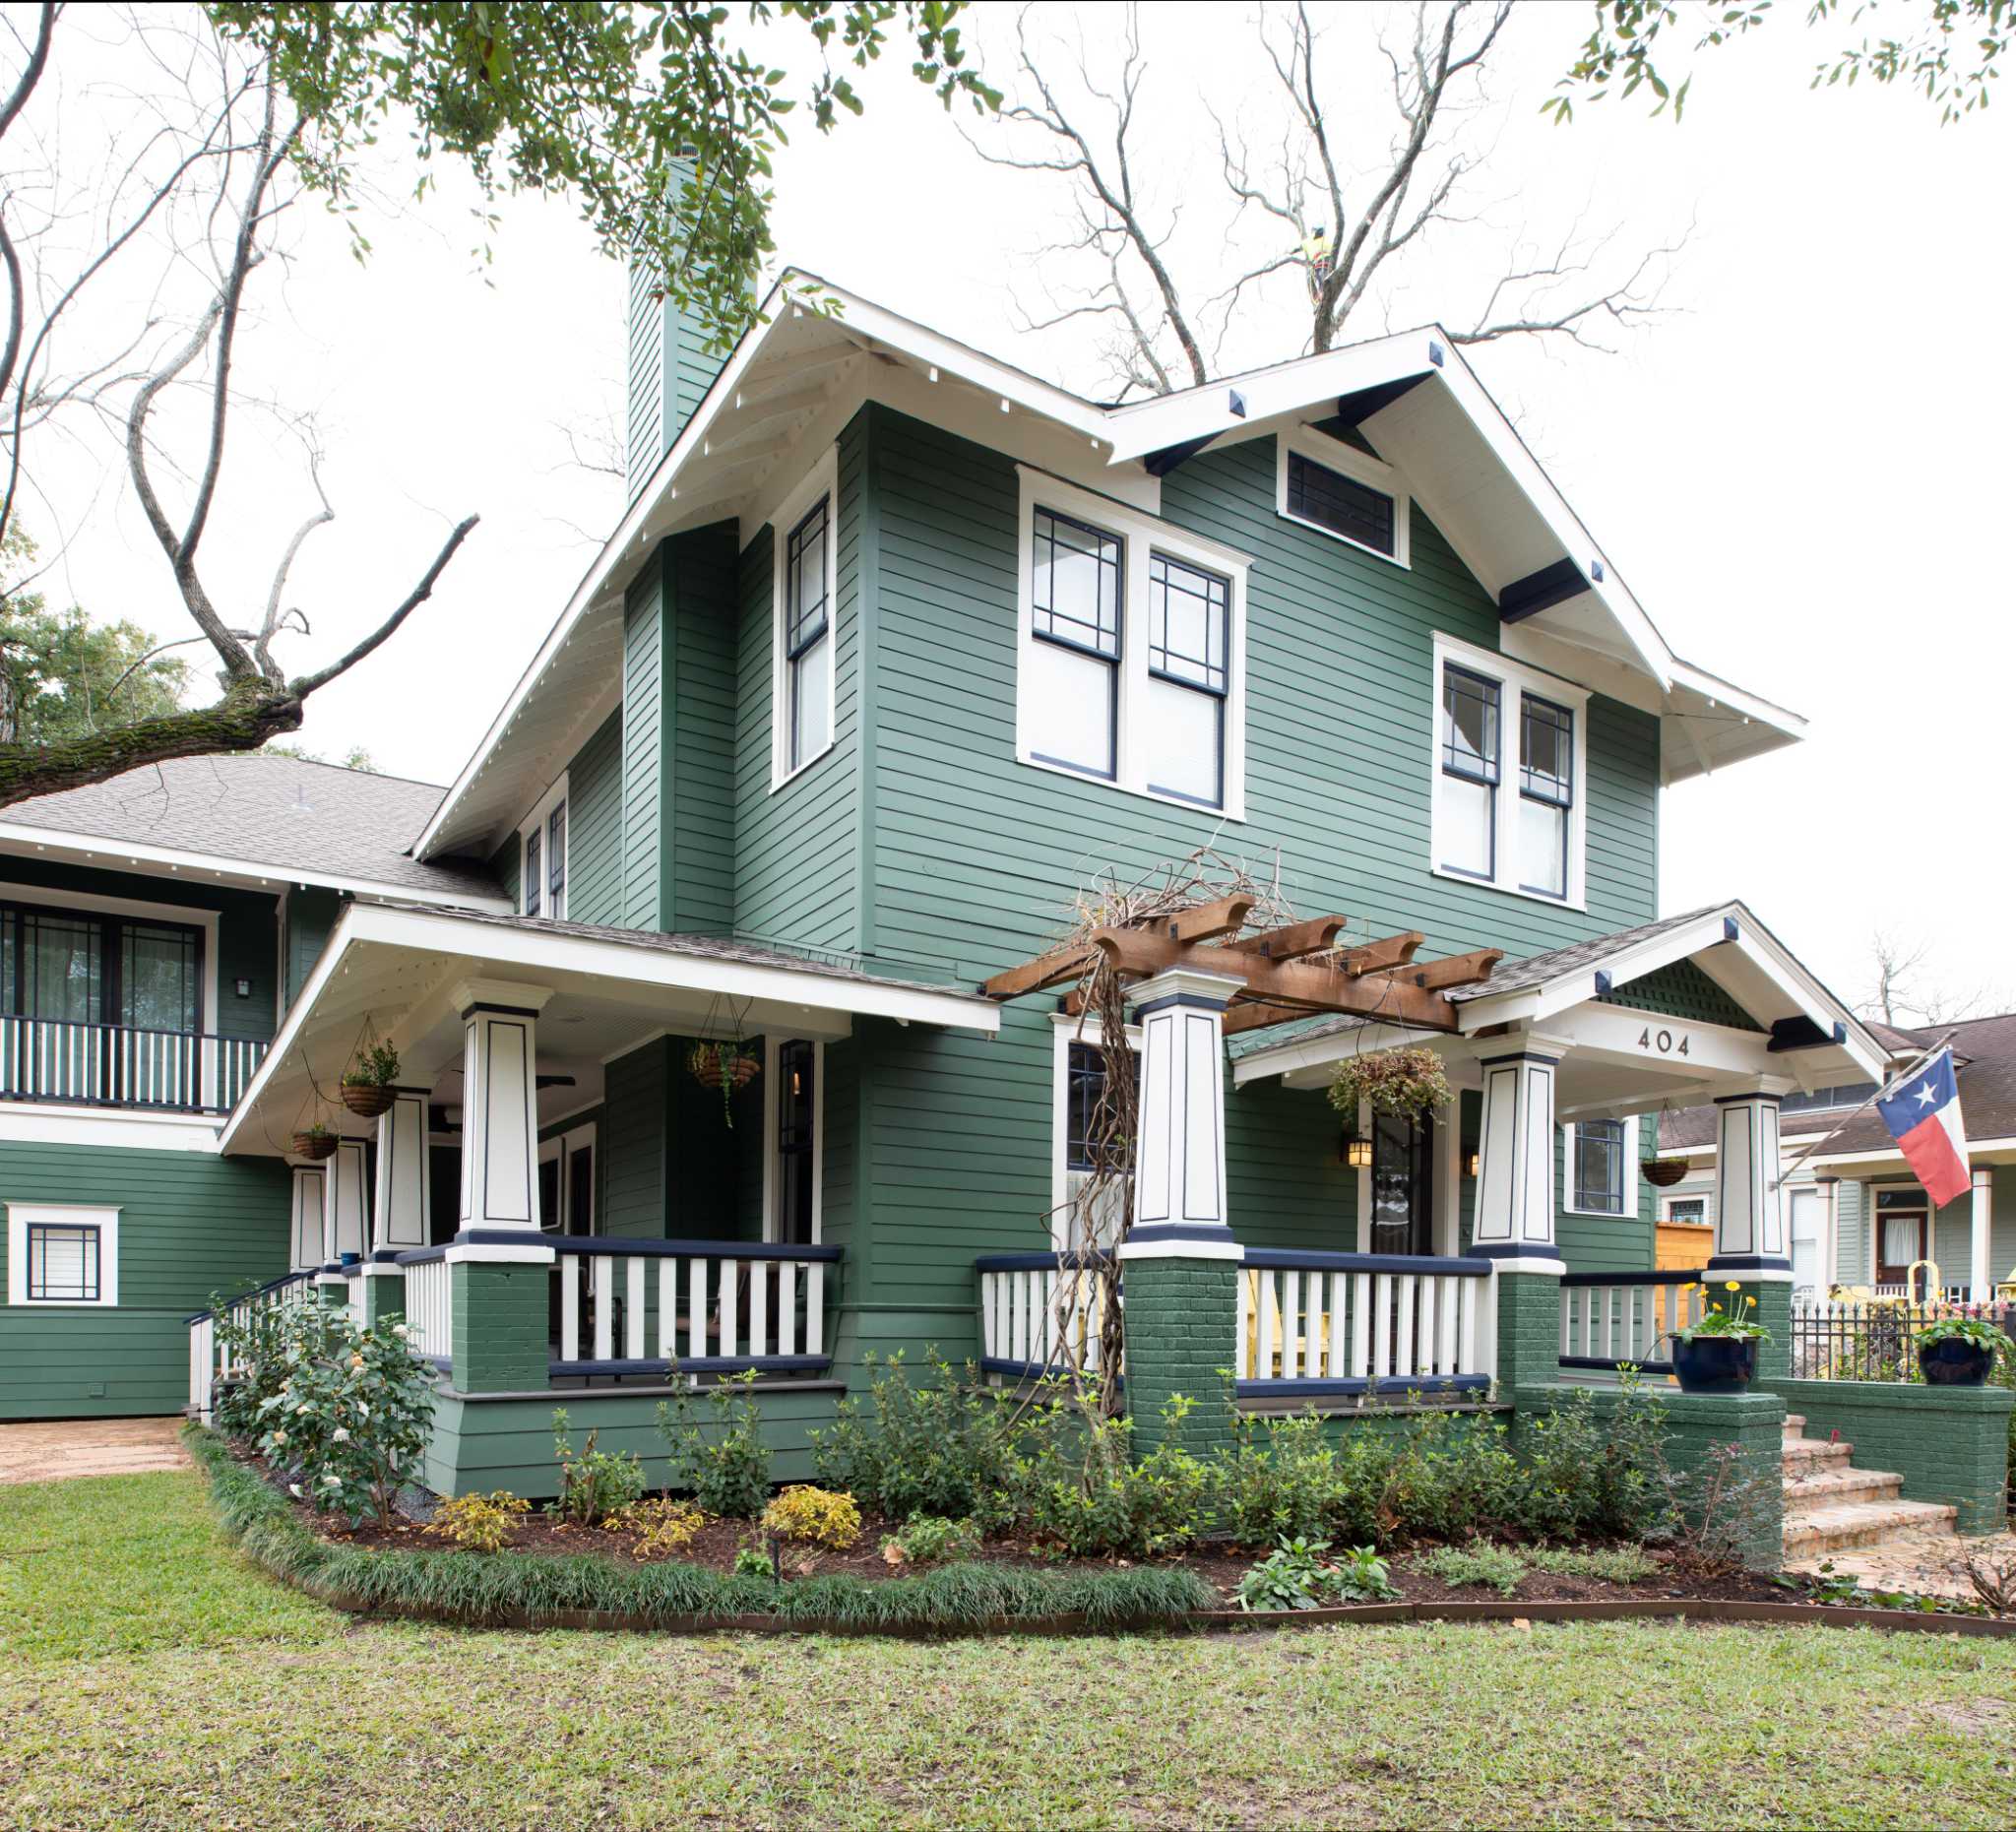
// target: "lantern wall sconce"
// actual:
[[1472, 1165], [1354, 1150]]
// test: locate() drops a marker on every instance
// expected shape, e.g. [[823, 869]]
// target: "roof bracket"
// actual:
[[1540, 590], [1801, 1033]]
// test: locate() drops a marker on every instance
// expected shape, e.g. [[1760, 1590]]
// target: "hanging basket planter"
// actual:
[[1403, 1084], [1664, 1173], [314, 1146], [726, 1067], [366, 1099], [371, 1082]]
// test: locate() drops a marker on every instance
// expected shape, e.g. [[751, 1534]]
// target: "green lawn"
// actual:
[[148, 1678]]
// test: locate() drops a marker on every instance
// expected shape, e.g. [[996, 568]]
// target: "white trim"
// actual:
[[536, 822], [772, 1223], [1513, 678], [21, 1216], [109, 855], [1141, 536], [183, 915], [36, 1123], [563, 1146], [1360, 468], [1705, 1196], [822, 479], [1629, 1212], [1066, 1029]]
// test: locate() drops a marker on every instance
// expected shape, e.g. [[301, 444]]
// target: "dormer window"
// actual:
[[1131, 635], [1327, 484], [543, 856], [1509, 761]]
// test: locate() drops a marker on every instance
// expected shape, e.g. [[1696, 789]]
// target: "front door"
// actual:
[[1402, 1185], [1901, 1240]]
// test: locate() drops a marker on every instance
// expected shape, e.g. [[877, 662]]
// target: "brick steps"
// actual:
[[1832, 1506]]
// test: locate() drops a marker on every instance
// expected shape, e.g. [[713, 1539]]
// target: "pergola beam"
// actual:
[[1293, 939], [1453, 970]]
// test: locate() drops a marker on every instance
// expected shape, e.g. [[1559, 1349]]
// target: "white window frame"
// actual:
[[21, 1216], [1065, 1031], [562, 1146], [1706, 1198], [1632, 1170], [1513, 680], [772, 1227], [1360, 468], [823, 480], [1141, 536], [536, 823]]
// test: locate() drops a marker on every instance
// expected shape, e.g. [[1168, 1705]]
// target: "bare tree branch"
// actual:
[[307, 684]]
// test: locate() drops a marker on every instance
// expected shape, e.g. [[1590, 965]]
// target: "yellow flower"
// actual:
[[1717, 1308], [1731, 1286]]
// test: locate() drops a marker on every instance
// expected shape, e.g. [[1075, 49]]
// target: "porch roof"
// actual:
[[1804, 1033], [399, 965]]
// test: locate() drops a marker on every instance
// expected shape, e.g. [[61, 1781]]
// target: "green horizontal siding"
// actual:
[[594, 826], [190, 1226], [311, 914]]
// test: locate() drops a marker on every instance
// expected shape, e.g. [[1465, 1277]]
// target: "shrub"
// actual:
[[752, 1563], [1103, 1502], [931, 1539], [1480, 1562], [947, 1445], [1451, 1477], [1296, 1575], [1602, 1477], [342, 1411], [724, 1461], [596, 1483], [817, 1515], [478, 1523], [1279, 1480], [660, 1525], [257, 1341]]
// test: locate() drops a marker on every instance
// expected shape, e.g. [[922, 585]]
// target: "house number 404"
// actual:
[[1664, 1042]]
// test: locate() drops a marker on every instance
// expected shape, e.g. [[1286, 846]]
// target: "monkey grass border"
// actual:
[[584, 1592]]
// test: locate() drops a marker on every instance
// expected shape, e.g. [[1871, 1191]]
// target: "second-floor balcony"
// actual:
[[72, 1063]]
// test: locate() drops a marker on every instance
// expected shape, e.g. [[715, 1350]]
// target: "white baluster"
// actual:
[[696, 1307], [570, 1304], [759, 1308], [668, 1309], [1467, 1298], [1292, 1333], [1361, 1324], [787, 1306], [1242, 1323], [815, 1307], [1263, 1358], [731, 1304], [1404, 1356], [633, 1321], [1448, 1360], [1339, 1287], [603, 1293], [1382, 1325]]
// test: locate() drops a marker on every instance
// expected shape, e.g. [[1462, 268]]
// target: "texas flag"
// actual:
[[1924, 1117]]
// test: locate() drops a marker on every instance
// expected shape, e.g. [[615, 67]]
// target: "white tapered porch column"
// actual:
[[304, 1228], [1749, 1209], [345, 1218], [500, 1130], [1515, 1188], [1980, 1224], [1179, 1194], [400, 1214]]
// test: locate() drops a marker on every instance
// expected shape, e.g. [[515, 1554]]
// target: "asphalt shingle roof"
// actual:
[[272, 813]]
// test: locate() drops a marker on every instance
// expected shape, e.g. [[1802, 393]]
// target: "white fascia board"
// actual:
[[533, 951], [35, 1123], [192, 867], [1751, 706]]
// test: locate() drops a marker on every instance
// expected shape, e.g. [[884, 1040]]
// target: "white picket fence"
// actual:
[[1626, 1318], [1391, 1322], [1041, 1313], [717, 1303]]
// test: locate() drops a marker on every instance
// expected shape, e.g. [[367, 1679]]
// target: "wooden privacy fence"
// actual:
[[1312, 1323], [1611, 1320]]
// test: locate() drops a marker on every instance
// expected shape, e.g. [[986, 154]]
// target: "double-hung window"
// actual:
[[542, 868], [1076, 574], [1602, 1157], [1509, 761], [806, 621], [1130, 664]]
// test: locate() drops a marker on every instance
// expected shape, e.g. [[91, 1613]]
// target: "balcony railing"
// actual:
[[117, 1065]]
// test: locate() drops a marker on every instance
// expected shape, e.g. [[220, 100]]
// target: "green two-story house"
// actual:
[[894, 650]]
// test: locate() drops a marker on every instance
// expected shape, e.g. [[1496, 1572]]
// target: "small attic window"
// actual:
[[1348, 494]]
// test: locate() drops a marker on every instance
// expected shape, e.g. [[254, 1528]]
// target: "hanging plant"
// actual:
[[1402, 1084], [368, 1084], [315, 1142], [1664, 1173], [727, 1066]]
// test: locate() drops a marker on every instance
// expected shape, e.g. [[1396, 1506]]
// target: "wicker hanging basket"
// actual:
[[366, 1099], [314, 1146], [721, 1067], [1664, 1173]]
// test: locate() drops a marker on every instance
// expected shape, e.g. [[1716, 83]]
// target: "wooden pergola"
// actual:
[[1291, 972]]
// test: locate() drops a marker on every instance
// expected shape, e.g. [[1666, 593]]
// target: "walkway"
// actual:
[[47, 1452]]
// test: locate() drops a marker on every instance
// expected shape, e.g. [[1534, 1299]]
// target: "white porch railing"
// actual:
[[429, 1306], [1610, 1320], [711, 1307], [1038, 1312], [1349, 1323], [212, 1358]]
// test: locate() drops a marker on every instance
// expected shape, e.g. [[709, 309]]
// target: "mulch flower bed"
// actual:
[[1220, 1566]]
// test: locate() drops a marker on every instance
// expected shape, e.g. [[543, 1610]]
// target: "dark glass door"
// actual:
[[1402, 1185]]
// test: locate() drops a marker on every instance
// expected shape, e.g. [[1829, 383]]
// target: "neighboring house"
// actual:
[[1855, 1215], [895, 647]]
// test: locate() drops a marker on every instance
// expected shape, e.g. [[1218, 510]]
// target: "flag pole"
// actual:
[[1897, 1080]]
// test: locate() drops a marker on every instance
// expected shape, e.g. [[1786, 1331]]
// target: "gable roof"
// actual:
[[816, 350], [255, 815]]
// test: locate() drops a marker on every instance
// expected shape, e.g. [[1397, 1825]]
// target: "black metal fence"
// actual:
[[1837, 1340]]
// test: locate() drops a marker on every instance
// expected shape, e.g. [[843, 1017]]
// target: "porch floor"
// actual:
[[51, 1450]]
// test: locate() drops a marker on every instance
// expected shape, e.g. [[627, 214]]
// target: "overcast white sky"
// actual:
[[1803, 471]]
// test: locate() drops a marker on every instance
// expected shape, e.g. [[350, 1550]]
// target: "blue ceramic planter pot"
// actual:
[[1716, 1363], [1954, 1363]]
